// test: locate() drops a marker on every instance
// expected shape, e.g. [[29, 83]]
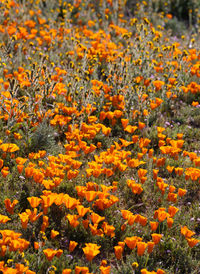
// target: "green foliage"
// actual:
[[177, 28], [181, 9], [43, 138]]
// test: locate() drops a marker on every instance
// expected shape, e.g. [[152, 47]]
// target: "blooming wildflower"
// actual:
[[91, 250]]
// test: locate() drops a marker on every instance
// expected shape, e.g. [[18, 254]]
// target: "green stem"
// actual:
[[147, 259]]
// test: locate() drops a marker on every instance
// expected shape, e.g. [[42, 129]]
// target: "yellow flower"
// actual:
[[135, 265]]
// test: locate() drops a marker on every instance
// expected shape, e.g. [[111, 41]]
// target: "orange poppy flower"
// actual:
[[45, 223], [34, 201], [118, 251], [91, 250], [122, 244], [72, 174], [95, 231], [81, 270], [47, 201], [135, 138], [172, 197], [147, 82], [161, 143], [66, 271], [102, 116], [126, 214], [145, 271], [158, 84], [156, 238], [104, 262], [195, 103], [170, 222], [108, 229], [141, 125], [197, 162], [21, 268], [49, 253], [192, 242], [96, 218], [170, 169], [132, 219], [38, 176], [4, 219], [1, 163], [124, 122], [142, 220], [145, 112], [106, 130], [10, 206], [70, 202], [59, 252], [48, 184], [172, 188], [124, 142], [133, 163], [3, 252], [82, 210], [155, 173], [181, 192], [168, 94], [179, 171], [179, 136], [54, 233], [160, 162], [165, 149], [24, 217], [160, 271], [17, 136], [154, 225], [5, 171], [172, 210], [130, 129], [33, 216], [142, 172], [72, 245], [186, 232], [162, 215], [85, 223], [73, 220], [131, 241], [9, 147], [110, 115], [160, 129], [136, 188], [144, 142], [105, 269], [157, 211], [141, 246], [90, 195], [20, 168], [150, 246], [29, 171]]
